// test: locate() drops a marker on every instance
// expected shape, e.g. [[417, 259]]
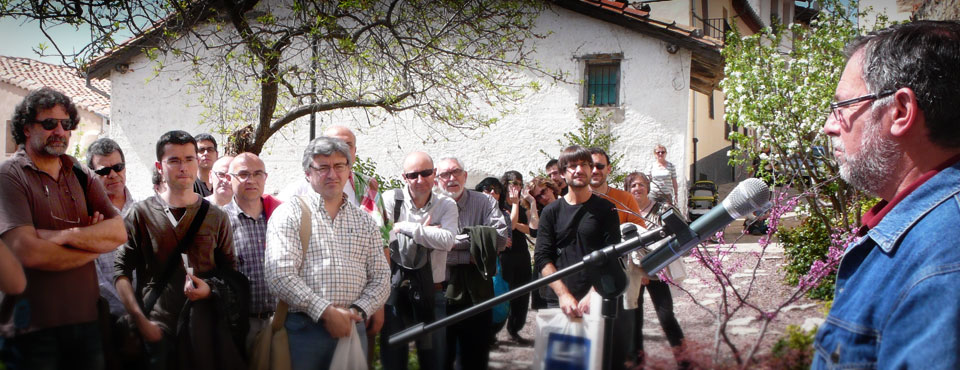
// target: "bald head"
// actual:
[[418, 173], [343, 133], [249, 177]]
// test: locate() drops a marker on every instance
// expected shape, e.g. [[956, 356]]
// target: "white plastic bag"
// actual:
[[568, 343], [349, 353]]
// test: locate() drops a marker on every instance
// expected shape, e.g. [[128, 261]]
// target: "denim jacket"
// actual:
[[897, 302]]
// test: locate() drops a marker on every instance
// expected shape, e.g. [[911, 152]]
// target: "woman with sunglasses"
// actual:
[[663, 176]]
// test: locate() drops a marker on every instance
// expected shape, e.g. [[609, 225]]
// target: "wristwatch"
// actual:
[[359, 311]]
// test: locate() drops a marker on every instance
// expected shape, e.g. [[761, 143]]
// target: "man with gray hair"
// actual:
[[471, 264], [342, 277], [895, 133]]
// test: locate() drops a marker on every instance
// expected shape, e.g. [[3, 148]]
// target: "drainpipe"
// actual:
[[94, 88]]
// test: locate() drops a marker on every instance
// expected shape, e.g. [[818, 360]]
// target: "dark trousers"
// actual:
[[517, 272], [464, 338], [77, 346], [395, 357], [663, 304]]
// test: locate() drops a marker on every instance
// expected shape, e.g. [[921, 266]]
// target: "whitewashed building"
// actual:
[[654, 65]]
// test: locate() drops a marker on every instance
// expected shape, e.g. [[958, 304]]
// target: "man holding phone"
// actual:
[[155, 228]]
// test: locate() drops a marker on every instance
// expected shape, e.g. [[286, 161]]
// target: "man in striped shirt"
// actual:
[[342, 277]]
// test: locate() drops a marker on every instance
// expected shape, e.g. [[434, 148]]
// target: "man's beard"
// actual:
[[49, 148], [451, 194], [876, 161]]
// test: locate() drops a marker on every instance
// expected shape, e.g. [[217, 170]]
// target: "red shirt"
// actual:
[[873, 217]]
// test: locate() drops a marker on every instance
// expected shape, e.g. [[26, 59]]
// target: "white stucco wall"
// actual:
[[654, 94]]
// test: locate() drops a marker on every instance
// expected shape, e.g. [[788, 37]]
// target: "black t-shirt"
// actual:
[[569, 232]]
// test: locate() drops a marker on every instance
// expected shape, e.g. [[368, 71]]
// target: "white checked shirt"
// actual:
[[344, 264]]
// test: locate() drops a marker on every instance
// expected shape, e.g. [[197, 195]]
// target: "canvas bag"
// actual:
[[349, 353], [271, 350], [564, 343]]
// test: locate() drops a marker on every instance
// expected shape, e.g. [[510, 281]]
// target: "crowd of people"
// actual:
[[160, 282], [188, 277]]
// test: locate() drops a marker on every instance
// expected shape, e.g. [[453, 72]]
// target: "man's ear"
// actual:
[[905, 113], [158, 166]]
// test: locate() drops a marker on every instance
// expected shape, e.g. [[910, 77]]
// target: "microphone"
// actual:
[[748, 196]]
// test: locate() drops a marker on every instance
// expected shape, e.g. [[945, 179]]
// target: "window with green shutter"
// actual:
[[602, 84]]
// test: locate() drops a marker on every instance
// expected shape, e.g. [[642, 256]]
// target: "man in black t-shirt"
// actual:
[[571, 227]]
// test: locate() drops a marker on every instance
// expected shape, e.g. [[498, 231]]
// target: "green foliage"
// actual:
[[795, 349], [802, 246], [593, 133], [368, 167]]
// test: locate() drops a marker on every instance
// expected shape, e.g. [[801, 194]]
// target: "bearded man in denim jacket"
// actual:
[[895, 133]]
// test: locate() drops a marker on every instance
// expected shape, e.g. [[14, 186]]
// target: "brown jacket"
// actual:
[[151, 239]]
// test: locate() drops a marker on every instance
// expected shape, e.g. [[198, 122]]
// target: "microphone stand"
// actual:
[[597, 262]]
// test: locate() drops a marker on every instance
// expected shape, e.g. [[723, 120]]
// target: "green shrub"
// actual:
[[802, 246], [794, 350]]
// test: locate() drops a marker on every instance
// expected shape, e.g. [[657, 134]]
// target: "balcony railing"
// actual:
[[713, 27]]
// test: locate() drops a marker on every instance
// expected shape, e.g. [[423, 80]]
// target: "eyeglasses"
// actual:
[[337, 168], [51, 123], [260, 174], [424, 173], [599, 166], [106, 170], [835, 106], [204, 150], [450, 174], [222, 175], [46, 191]]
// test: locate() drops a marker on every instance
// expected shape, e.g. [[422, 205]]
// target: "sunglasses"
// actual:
[[106, 170], [424, 173], [51, 123], [660, 152], [599, 166]]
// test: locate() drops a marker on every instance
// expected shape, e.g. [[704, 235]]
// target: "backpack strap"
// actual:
[[82, 177], [173, 261], [398, 203]]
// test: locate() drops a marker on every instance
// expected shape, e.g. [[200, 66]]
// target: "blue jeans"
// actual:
[[77, 346], [311, 346]]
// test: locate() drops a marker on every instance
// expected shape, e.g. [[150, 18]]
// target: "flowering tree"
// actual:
[[782, 98]]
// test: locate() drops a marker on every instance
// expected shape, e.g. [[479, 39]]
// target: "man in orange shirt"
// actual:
[[627, 208]]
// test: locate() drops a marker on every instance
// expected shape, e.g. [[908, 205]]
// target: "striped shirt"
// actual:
[[661, 181], [249, 240], [343, 266]]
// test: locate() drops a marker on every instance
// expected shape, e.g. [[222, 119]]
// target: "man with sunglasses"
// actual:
[[425, 218], [106, 159], [894, 129], [627, 207], [56, 218]]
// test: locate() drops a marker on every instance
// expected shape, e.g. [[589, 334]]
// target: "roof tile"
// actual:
[[31, 74]]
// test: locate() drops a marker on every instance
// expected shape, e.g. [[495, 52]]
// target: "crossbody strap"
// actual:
[[280, 314], [172, 261]]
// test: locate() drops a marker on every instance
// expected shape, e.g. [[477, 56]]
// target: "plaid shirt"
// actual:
[[249, 241], [344, 263]]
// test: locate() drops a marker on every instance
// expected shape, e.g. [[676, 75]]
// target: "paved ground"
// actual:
[[698, 323]]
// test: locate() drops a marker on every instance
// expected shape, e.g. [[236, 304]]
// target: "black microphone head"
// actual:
[[749, 195]]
